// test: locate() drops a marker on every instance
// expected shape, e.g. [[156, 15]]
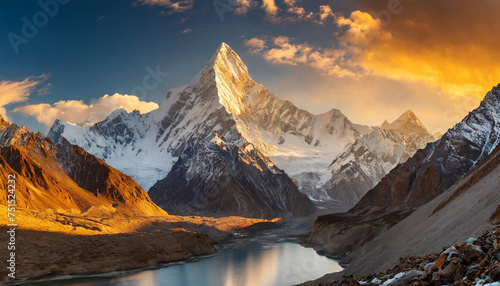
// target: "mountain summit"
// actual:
[[408, 122], [361, 166]]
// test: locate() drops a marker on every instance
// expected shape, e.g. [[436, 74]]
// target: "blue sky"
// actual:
[[92, 48]]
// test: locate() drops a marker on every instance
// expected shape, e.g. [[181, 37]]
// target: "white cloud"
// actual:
[[19, 91], [77, 111], [187, 31]]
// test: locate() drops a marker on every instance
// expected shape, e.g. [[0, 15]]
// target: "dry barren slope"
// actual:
[[467, 209], [64, 176]]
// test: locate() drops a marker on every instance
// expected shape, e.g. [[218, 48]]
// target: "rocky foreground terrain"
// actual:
[[474, 262]]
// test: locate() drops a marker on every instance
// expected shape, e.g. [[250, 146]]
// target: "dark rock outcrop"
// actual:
[[242, 182]]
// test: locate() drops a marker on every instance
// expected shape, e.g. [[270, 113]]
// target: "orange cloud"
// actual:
[[451, 45], [76, 111], [271, 10], [325, 12], [243, 6], [361, 30], [409, 48], [288, 11], [435, 59]]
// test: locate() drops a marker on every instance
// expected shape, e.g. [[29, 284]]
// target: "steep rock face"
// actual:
[[64, 176], [241, 182], [94, 175], [420, 179]]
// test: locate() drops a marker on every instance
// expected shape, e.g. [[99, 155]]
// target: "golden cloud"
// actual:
[[437, 58], [452, 45], [282, 50], [255, 45]]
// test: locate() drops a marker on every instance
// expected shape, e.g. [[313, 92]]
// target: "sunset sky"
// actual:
[[373, 60]]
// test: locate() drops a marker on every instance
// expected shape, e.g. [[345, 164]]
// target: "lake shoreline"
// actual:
[[220, 264], [101, 254]]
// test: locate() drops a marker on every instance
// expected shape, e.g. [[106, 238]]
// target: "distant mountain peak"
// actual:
[[408, 122], [409, 115]]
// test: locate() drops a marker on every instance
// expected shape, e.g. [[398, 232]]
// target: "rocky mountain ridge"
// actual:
[[64, 176]]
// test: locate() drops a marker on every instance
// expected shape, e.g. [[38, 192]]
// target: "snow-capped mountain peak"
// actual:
[[408, 122], [227, 62]]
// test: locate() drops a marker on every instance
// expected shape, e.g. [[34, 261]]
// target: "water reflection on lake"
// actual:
[[248, 264]]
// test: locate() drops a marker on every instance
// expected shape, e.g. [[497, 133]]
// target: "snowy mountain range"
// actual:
[[363, 163], [320, 152]]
